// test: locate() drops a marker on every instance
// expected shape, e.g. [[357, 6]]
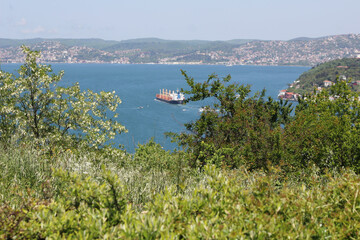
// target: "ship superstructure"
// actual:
[[170, 96]]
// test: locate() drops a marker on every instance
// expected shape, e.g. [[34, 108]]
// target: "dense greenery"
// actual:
[[237, 129], [331, 71], [250, 167], [86, 201], [242, 130]]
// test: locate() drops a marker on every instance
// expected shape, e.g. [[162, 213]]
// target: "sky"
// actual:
[[178, 20]]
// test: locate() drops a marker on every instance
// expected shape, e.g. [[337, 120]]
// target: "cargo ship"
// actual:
[[170, 96]]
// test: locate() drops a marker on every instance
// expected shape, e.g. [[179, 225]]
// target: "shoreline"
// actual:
[[169, 64]]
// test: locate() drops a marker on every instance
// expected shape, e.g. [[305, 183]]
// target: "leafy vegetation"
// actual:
[[240, 130], [250, 167], [223, 204], [237, 129]]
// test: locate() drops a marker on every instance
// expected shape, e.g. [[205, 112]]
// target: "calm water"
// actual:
[[142, 115]]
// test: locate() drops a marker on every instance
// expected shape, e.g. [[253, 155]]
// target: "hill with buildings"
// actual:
[[299, 51], [326, 74]]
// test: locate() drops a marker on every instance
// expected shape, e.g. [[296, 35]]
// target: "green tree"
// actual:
[[34, 107], [237, 129], [7, 105], [325, 130]]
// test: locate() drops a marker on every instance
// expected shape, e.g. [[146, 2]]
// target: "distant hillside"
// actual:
[[92, 42], [299, 51], [173, 46], [347, 68], [152, 44], [304, 39], [143, 50], [308, 52], [241, 41]]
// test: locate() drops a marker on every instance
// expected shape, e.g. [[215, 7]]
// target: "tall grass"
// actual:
[[22, 168], [146, 173]]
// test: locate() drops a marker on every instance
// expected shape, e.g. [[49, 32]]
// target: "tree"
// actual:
[[237, 129], [34, 107], [7, 105], [325, 130]]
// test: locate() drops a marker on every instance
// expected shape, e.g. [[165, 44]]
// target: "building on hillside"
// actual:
[[289, 95], [355, 83], [282, 93], [328, 83]]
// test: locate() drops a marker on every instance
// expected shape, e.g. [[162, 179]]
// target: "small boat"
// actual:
[[170, 96]]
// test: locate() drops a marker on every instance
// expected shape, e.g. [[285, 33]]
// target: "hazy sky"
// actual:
[[180, 19]]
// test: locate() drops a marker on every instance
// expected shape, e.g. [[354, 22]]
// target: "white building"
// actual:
[[328, 83]]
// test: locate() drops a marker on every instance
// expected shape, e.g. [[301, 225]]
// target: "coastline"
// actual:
[[170, 64]]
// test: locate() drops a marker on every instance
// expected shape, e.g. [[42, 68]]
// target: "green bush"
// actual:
[[83, 209], [227, 204]]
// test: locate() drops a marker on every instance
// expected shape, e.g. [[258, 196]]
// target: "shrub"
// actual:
[[226, 204]]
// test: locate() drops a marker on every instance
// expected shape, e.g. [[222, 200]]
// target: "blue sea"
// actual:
[[136, 85]]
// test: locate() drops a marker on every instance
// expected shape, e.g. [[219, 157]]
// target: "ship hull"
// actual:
[[170, 101]]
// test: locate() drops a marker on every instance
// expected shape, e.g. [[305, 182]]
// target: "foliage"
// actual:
[[152, 169], [33, 195], [326, 130], [83, 209], [242, 130], [36, 108], [237, 129], [152, 156], [228, 204], [7, 106], [243, 206], [147, 172]]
